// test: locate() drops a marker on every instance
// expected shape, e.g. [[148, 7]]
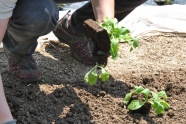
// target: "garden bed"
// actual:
[[62, 97]]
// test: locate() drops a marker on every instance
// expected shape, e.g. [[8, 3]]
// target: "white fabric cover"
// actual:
[[149, 20]]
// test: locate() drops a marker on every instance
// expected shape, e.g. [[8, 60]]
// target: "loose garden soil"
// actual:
[[62, 97]]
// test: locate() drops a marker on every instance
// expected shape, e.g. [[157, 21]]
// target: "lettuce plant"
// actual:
[[157, 100]]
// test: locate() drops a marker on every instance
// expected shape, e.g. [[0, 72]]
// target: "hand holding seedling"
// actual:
[[116, 34]]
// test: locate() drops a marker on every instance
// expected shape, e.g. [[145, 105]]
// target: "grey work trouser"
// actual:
[[34, 18]]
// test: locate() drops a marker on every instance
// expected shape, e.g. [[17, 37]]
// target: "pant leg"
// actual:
[[30, 19], [122, 9]]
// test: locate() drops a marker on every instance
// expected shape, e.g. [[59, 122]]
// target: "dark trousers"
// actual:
[[34, 18]]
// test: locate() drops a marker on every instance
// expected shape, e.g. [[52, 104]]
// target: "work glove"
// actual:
[[101, 39]]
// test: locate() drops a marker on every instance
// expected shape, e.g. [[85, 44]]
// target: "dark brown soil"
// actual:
[[62, 97]]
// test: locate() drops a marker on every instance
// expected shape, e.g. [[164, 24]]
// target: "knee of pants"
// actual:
[[34, 19]]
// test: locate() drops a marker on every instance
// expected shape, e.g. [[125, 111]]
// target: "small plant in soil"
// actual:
[[164, 2], [140, 100], [92, 76], [60, 6], [115, 34]]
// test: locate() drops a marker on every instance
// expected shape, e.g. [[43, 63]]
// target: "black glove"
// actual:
[[101, 39]]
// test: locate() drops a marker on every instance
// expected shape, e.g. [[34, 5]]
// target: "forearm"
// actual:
[[103, 9], [3, 27]]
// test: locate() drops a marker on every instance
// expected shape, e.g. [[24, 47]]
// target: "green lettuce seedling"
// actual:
[[157, 100], [92, 76], [116, 34]]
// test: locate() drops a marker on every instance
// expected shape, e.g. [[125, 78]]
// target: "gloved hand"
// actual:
[[100, 37]]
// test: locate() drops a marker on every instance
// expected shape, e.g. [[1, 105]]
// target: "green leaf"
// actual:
[[114, 48], [116, 33], [146, 92], [165, 104], [127, 97], [138, 89], [151, 101], [126, 38], [91, 76], [131, 49], [135, 42], [162, 94], [158, 108], [104, 75], [86, 77], [124, 31], [155, 96], [135, 104]]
